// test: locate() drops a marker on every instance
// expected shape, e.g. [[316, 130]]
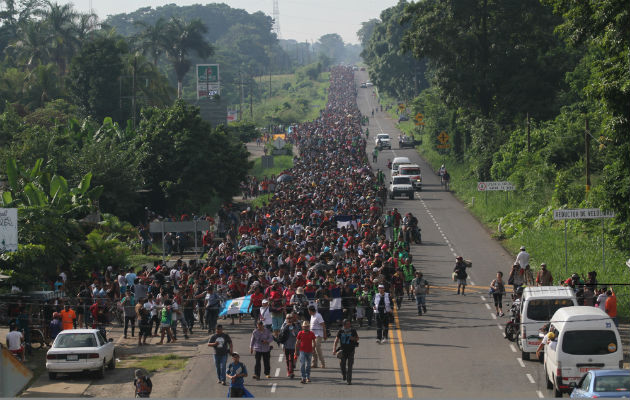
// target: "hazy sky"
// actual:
[[299, 19]]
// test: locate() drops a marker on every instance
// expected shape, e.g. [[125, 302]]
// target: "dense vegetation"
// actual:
[[515, 83]]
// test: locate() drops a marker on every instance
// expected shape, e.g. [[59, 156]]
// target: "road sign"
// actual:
[[401, 106], [8, 229], [581, 213], [494, 186], [443, 137], [419, 119], [443, 146], [208, 82]]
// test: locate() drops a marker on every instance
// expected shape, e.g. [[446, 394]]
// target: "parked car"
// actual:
[[603, 383], [405, 142], [401, 186], [80, 350], [368, 84], [363, 85], [403, 117], [385, 140]]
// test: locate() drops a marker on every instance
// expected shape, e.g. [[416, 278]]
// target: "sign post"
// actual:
[[581, 213], [494, 187]]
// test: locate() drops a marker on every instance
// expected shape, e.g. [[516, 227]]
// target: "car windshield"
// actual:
[[409, 171], [383, 136], [543, 309], [402, 180], [75, 340], [596, 342], [612, 383]]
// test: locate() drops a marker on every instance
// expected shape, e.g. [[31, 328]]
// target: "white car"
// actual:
[[401, 186], [79, 350], [384, 139]]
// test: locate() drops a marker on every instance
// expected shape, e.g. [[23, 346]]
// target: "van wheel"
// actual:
[[556, 392], [112, 362], [411, 196], [525, 355]]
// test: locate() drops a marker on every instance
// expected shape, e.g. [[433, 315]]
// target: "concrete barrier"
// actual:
[[14, 376]]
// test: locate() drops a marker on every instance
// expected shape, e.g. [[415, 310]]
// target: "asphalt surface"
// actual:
[[456, 350]]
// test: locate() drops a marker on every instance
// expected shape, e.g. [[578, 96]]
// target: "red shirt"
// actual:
[[256, 299], [306, 341]]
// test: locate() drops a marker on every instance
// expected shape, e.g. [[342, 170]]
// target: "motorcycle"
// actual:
[[513, 326]]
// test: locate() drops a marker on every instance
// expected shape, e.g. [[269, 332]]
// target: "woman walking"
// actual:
[[497, 288], [260, 343]]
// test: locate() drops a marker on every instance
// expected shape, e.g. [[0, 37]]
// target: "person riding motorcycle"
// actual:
[[389, 163]]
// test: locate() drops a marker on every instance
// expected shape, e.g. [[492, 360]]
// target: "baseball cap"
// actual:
[[265, 301], [381, 286]]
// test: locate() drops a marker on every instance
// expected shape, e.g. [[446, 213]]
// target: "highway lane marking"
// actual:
[[531, 378], [540, 394], [494, 316], [472, 283], [483, 298], [396, 373], [500, 327], [513, 347], [403, 356], [520, 362], [280, 357], [273, 388], [487, 306], [277, 372]]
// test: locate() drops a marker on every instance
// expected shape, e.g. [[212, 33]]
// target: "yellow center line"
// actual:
[[403, 356], [396, 373]]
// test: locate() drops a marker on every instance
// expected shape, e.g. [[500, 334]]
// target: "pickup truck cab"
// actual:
[[401, 186], [385, 140]]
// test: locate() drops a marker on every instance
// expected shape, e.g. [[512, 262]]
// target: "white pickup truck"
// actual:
[[401, 186], [384, 140]]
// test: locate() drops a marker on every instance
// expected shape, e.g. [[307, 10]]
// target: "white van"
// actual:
[[413, 172], [538, 305], [586, 339], [398, 161]]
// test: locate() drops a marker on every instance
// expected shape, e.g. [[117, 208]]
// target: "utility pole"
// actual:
[[251, 98], [133, 92], [587, 144], [240, 104], [270, 79], [528, 135]]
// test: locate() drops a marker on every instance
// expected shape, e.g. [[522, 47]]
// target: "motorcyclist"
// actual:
[[389, 163]]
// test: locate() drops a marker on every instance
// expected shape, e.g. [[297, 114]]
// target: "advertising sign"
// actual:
[[8, 229], [208, 81]]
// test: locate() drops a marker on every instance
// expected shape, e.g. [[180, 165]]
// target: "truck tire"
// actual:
[[525, 355], [411, 196]]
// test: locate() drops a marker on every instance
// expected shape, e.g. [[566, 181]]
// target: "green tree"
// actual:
[[60, 21], [152, 39], [182, 39], [94, 76], [331, 45], [367, 29]]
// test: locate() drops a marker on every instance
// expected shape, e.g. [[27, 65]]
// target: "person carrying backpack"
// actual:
[[287, 338], [142, 384]]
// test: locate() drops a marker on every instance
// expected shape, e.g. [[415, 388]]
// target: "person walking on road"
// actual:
[[318, 327], [212, 303], [236, 371], [522, 258], [260, 343], [304, 346], [375, 155], [222, 344], [460, 275], [288, 338], [382, 310], [420, 289], [348, 339], [497, 288]]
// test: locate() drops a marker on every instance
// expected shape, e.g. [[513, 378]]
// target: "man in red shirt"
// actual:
[[611, 306], [304, 345]]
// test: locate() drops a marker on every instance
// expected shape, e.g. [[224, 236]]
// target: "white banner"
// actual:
[[8, 229], [581, 213], [494, 186]]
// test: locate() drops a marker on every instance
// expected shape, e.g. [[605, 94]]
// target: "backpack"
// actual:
[[284, 335], [144, 386]]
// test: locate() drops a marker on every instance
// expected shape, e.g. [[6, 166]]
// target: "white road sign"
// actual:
[[582, 213], [494, 186], [8, 229]]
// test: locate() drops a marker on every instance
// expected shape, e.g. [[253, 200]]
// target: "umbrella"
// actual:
[[251, 248], [284, 178]]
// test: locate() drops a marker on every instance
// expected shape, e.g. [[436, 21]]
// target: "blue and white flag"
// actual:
[[238, 305], [336, 311]]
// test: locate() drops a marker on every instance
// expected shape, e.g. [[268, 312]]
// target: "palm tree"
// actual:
[[61, 23], [152, 39], [31, 48], [182, 38]]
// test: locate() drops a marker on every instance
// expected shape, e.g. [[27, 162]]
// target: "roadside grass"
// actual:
[[136, 261], [280, 163], [167, 362], [261, 200]]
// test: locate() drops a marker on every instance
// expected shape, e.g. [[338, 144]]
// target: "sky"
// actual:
[[301, 20]]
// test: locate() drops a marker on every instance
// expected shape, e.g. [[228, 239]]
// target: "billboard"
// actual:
[[8, 229], [232, 115], [208, 81]]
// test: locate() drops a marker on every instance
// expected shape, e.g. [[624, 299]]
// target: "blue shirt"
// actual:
[[130, 278], [237, 368]]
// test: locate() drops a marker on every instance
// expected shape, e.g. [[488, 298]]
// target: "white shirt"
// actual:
[[265, 316], [601, 300], [522, 259], [150, 306], [316, 325], [377, 298], [14, 340], [175, 308]]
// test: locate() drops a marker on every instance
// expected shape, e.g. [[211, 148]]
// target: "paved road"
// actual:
[[456, 350]]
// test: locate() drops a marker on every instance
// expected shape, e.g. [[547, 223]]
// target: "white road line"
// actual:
[[487, 306], [500, 327], [540, 394], [277, 372], [273, 388], [483, 298], [531, 378], [494, 316], [520, 362], [513, 348], [472, 283], [280, 357]]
